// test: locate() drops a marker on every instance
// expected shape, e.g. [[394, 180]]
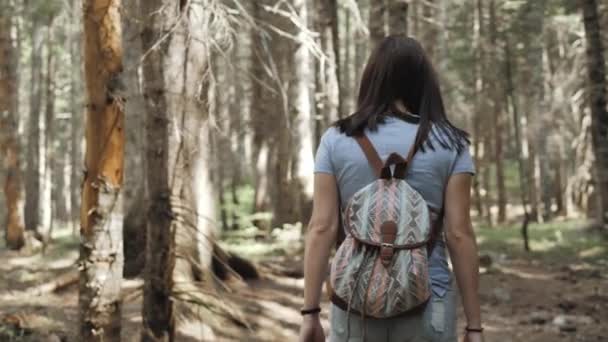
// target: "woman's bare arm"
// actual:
[[320, 238], [462, 245]]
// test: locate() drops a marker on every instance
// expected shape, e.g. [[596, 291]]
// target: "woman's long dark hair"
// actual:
[[400, 70]]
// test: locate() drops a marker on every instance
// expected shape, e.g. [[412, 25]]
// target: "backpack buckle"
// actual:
[[387, 250]]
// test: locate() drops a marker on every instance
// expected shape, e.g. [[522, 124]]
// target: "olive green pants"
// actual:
[[436, 323]]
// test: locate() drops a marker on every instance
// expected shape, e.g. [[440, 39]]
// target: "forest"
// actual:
[[156, 159]]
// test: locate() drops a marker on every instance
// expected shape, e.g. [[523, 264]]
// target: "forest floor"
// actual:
[[558, 292]]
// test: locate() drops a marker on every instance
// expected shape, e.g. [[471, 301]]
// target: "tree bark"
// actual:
[[261, 120], [534, 117], [302, 182], [10, 147], [101, 250], [497, 111], [46, 149], [181, 213], [32, 176], [377, 22], [76, 108], [397, 20], [157, 312], [511, 96], [329, 67], [597, 97], [134, 228]]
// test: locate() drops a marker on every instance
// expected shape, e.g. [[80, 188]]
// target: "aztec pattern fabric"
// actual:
[[381, 269]]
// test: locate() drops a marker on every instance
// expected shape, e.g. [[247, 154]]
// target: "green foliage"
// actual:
[[552, 243]]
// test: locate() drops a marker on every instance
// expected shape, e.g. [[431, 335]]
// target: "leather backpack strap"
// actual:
[[370, 153]]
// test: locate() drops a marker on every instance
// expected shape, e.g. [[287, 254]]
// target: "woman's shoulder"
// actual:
[[332, 135]]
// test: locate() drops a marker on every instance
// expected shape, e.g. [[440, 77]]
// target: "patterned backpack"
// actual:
[[381, 268]]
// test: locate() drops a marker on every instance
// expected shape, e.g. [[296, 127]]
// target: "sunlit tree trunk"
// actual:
[[397, 18], [596, 89], [101, 250], [302, 134], [10, 147], [46, 153]]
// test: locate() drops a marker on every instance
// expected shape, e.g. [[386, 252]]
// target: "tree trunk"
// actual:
[[32, 176], [497, 110], [377, 22], [10, 147], [511, 95], [431, 31], [76, 108], [533, 124], [181, 213], [101, 250], [261, 120], [329, 67], [596, 89], [157, 312], [134, 228], [479, 150], [397, 20], [302, 182], [47, 150]]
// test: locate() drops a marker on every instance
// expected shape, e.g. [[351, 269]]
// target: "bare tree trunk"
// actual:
[[10, 147], [46, 154], [397, 20], [302, 182], [596, 71], [32, 176], [101, 250], [261, 120], [329, 67], [134, 228], [479, 150], [533, 121], [523, 179], [181, 214], [377, 22], [76, 108], [498, 120], [430, 35], [158, 308]]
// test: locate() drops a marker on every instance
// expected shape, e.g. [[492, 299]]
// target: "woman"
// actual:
[[399, 101]]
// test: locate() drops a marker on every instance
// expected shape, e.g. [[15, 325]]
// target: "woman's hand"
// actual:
[[311, 329], [473, 337]]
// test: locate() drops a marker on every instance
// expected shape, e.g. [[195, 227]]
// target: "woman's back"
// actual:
[[341, 156]]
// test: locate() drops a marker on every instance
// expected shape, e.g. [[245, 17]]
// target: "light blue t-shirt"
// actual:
[[428, 173]]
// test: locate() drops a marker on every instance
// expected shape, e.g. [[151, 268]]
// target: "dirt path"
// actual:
[[522, 301]]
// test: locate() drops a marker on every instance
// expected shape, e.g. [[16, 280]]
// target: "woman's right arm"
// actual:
[[463, 247]]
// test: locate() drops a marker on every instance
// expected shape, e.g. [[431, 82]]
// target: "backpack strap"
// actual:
[[382, 169], [370, 153]]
